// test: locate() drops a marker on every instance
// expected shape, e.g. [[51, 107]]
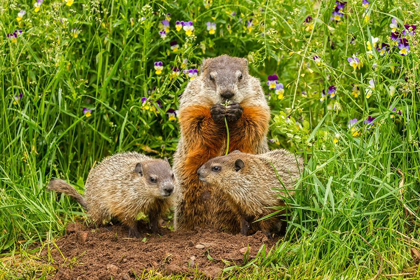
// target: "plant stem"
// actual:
[[227, 137]]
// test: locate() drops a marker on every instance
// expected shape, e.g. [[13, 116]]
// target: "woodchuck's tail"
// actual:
[[62, 187]]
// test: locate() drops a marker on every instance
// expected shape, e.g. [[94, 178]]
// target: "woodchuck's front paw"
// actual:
[[234, 112], [218, 113]]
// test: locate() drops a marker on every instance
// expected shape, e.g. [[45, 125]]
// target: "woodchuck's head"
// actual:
[[226, 78], [157, 177], [224, 170]]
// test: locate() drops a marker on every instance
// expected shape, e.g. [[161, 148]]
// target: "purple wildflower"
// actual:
[[337, 15], [365, 3], [353, 39], [308, 23], [162, 34], [353, 128], [395, 36], [174, 45], [165, 25], [317, 60], [37, 5], [340, 5], [211, 27], [87, 112], [158, 67], [192, 73], [146, 103], [188, 27], [17, 98], [394, 25], [404, 47], [354, 62], [13, 36], [409, 29], [175, 73], [249, 25], [369, 120], [332, 91], [179, 25], [352, 122], [280, 91], [322, 96], [20, 15], [172, 114], [383, 49], [272, 81], [394, 111]]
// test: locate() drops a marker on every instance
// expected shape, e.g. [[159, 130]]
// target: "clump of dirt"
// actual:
[[106, 253]]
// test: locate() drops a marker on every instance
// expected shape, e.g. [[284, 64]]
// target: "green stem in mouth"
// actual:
[[226, 104], [227, 136]]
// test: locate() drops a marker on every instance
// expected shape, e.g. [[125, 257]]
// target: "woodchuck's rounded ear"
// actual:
[[139, 169], [204, 64], [246, 61], [235, 152], [239, 164], [166, 159]]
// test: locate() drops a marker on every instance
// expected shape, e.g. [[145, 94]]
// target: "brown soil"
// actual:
[[106, 253]]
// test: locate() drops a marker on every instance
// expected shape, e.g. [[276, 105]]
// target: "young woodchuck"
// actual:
[[122, 186], [251, 183], [203, 136]]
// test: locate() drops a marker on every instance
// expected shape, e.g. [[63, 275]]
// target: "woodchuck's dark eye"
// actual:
[[153, 179], [216, 168], [211, 78], [173, 176], [240, 77]]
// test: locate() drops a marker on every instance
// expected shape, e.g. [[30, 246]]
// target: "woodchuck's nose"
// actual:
[[168, 190], [227, 94], [200, 174]]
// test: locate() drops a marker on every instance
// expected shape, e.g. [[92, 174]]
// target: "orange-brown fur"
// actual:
[[223, 92], [200, 130]]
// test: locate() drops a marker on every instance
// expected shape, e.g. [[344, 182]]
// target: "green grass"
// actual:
[[355, 213]]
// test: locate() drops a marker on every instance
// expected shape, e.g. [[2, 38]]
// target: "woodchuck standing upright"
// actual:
[[122, 186], [251, 183], [203, 136]]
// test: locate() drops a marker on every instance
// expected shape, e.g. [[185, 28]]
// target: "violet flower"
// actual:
[[272, 81]]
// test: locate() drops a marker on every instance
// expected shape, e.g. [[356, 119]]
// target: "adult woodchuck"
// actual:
[[251, 184], [122, 186], [203, 136]]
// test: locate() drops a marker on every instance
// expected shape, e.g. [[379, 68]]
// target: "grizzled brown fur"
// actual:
[[124, 185], [203, 136], [251, 184]]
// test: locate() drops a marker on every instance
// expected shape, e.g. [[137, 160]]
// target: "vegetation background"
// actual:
[[81, 80]]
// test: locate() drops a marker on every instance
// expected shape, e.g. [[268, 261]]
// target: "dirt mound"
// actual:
[[106, 253]]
